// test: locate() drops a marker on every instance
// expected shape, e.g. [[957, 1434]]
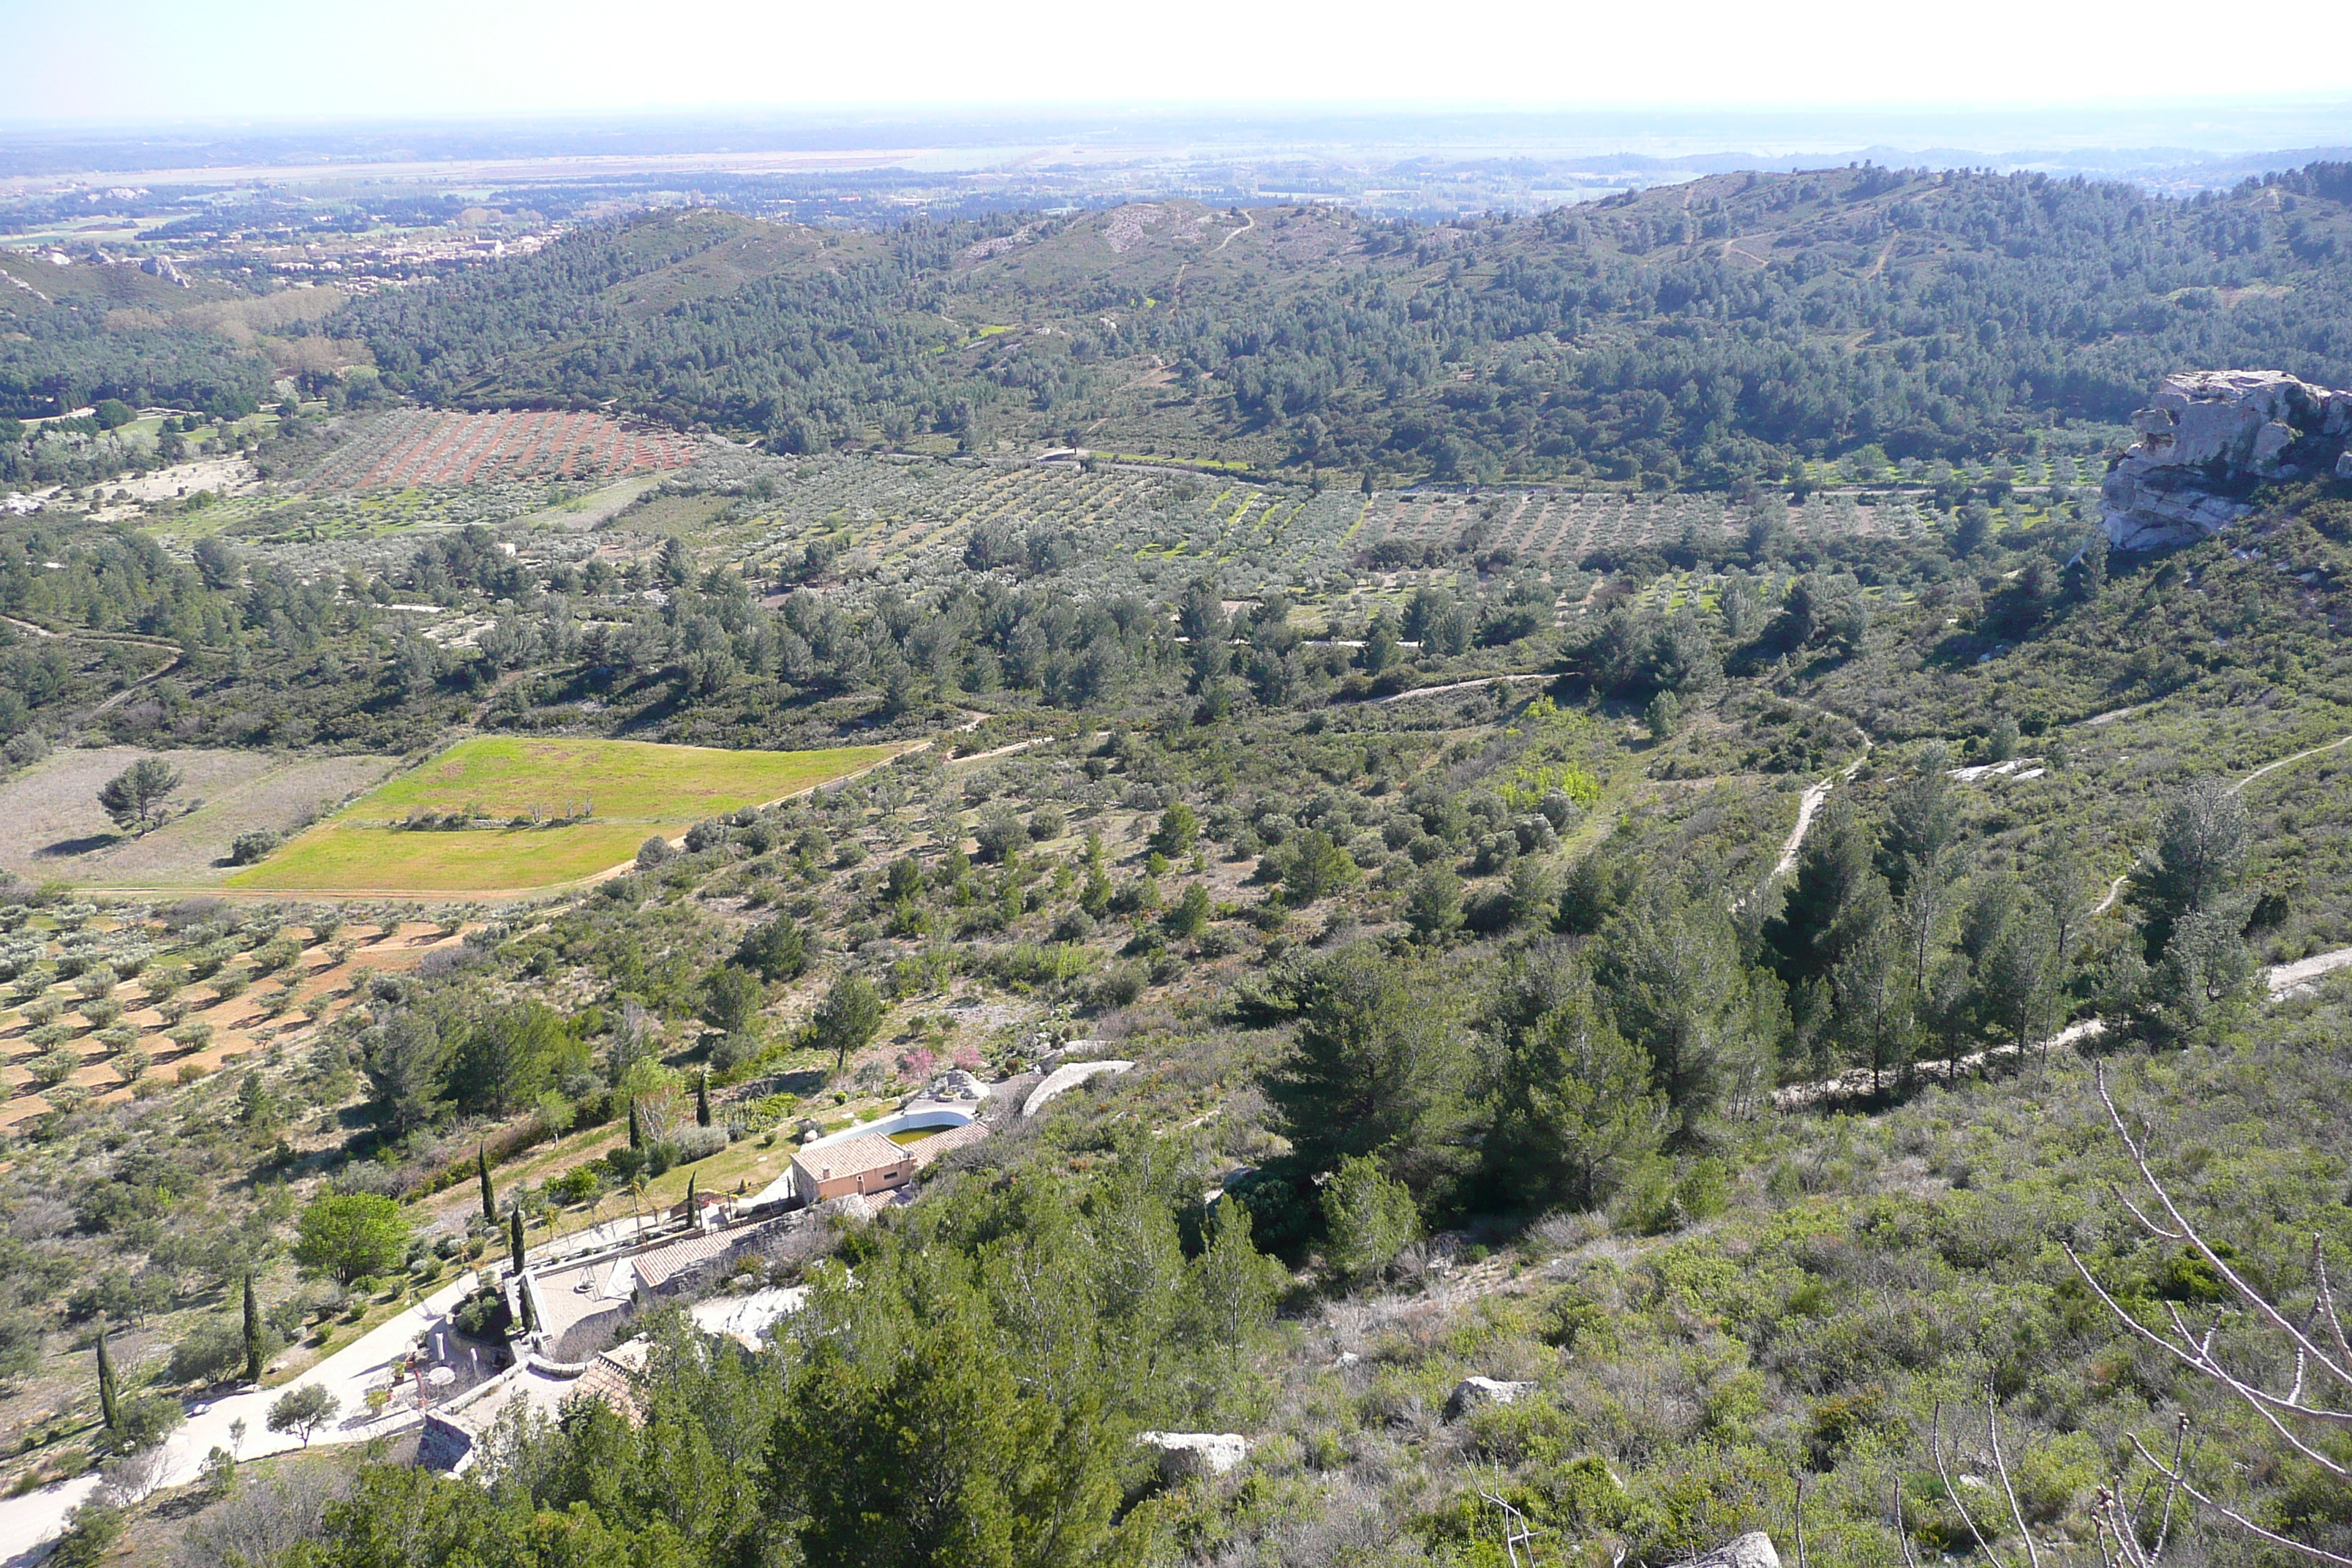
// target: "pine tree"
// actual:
[[702, 1098], [254, 1346], [514, 1236], [107, 1403], [489, 1193]]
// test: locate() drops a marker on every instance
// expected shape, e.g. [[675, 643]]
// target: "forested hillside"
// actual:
[[1704, 334], [1478, 1033], [1667, 954]]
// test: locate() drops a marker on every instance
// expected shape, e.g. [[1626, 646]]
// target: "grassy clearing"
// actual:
[[344, 859], [626, 780], [636, 790]]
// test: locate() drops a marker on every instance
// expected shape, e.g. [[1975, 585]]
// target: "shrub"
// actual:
[[1117, 987], [691, 1143], [999, 833], [579, 1184], [1367, 1220], [251, 848], [483, 1315], [775, 951], [212, 1352]]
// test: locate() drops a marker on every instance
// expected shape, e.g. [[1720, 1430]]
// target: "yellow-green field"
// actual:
[[635, 790]]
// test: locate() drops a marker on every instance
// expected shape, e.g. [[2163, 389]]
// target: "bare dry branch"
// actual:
[[2181, 1480], [2000, 1469], [1935, 1448], [2261, 1304], [1902, 1532]]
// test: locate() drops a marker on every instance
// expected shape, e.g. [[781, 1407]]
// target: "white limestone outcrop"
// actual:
[[2206, 438]]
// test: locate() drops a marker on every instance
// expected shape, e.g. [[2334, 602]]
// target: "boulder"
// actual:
[[1184, 1455], [1477, 1393], [1753, 1550], [2207, 438]]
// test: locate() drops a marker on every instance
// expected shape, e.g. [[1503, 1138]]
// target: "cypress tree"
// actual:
[[514, 1236], [254, 1345], [690, 1214], [702, 1098], [489, 1193], [106, 1396], [636, 1129]]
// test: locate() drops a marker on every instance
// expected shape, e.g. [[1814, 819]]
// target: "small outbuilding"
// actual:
[[868, 1163]]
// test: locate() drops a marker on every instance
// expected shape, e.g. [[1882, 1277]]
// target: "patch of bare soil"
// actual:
[[239, 1024], [223, 475], [51, 825]]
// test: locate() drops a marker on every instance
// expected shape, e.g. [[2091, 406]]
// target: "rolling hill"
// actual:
[[1703, 334]]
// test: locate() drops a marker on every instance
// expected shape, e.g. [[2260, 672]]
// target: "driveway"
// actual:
[[28, 1522]]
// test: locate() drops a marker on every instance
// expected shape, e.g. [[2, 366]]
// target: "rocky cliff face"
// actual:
[[2207, 440]]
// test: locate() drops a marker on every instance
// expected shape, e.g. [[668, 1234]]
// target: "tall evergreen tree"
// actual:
[[514, 1236], [256, 1346], [636, 1128], [1567, 1102], [489, 1193], [1669, 966], [1921, 819], [108, 1405], [2197, 862], [1378, 1068], [1828, 908], [702, 1098]]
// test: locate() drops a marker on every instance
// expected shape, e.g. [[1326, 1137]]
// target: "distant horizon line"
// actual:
[[2266, 107]]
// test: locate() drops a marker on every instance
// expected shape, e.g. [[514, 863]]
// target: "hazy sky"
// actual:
[[274, 58]]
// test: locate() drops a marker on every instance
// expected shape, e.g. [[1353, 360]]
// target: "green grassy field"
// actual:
[[636, 789], [625, 780]]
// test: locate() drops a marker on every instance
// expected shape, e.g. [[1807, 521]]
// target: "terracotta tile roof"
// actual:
[[867, 1152], [611, 1377], [947, 1141], [656, 1267]]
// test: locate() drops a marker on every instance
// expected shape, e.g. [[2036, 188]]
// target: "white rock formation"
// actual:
[[1183, 1455], [1753, 1550], [1063, 1078], [1477, 1392], [2206, 435]]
